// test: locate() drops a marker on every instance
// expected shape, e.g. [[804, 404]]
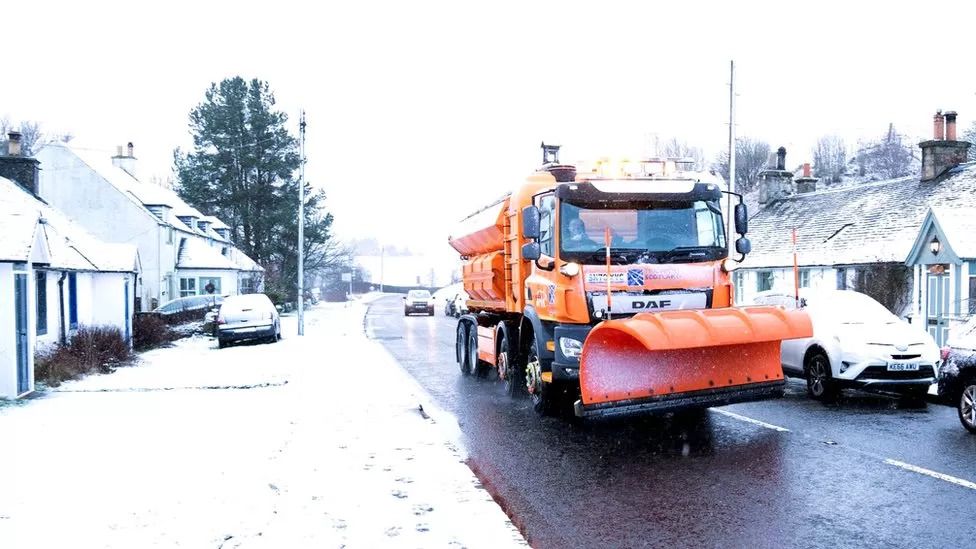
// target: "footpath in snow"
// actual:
[[310, 442]]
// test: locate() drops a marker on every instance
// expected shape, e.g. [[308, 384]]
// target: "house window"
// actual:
[[223, 251], [209, 280], [41, 290], [841, 279], [972, 287], [188, 287], [169, 235], [248, 285], [804, 278], [72, 300], [764, 281]]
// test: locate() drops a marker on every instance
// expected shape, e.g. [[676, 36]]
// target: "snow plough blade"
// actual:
[[670, 360]]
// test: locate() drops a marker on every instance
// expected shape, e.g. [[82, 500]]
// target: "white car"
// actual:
[[856, 343], [248, 316]]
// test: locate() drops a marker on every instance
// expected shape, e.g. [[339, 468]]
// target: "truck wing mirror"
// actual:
[[743, 246], [741, 218], [531, 251], [530, 222]]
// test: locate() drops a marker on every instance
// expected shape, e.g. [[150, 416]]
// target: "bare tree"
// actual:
[[31, 136], [675, 148], [887, 157], [970, 135], [751, 158], [829, 158]]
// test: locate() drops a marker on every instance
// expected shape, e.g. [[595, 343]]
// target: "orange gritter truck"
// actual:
[[608, 289]]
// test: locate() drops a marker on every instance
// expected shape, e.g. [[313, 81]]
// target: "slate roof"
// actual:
[[70, 247], [197, 254], [871, 223]]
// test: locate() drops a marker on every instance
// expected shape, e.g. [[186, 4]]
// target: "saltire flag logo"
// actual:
[[635, 277]]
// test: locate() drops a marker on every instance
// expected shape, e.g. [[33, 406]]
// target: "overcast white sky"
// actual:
[[420, 112]]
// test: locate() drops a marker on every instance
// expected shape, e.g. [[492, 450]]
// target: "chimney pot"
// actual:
[[806, 169], [938, 126], [13, 143], [950, 125], [118, 151], [129, 147], [781, 158]]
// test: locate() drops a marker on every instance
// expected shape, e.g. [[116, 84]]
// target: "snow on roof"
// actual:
[[69, 246], [871, 223], [144, 194], [244, 262], [959, 225], [216, 223], [197, 254]]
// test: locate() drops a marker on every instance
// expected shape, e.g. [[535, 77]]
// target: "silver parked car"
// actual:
[[248, 316]]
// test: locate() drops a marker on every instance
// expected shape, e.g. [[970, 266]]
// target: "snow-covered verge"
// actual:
[[312, 441]]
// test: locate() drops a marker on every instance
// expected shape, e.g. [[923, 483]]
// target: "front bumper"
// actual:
[[682, 401], [875, 375], [248, 332], [418, 307]]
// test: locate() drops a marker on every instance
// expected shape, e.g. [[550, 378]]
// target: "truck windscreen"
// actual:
[[653, 232]]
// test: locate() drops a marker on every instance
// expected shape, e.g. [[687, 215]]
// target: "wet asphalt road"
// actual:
[[812, 476]]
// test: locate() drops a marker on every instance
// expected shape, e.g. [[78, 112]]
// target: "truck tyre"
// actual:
[[478, 368], [820, 384], [544, 395], [508, 370], [461, 349], [967, 404]]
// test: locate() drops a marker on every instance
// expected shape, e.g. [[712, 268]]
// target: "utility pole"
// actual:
[[731, 208], [301, 228]]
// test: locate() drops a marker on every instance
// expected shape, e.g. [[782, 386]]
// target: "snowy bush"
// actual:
[[91, 349], [150, 331]]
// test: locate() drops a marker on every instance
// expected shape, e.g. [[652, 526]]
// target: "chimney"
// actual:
[[806, 183], [950, 126], [775, 184], [944, 152], [18, 168], [125, 160]]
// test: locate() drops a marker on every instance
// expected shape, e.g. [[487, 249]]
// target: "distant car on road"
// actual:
[[248, 316], [418, 301], [957, 377], [460, 304], [856, 343]]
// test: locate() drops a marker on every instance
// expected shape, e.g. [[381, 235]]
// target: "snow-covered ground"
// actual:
[[316, 441]]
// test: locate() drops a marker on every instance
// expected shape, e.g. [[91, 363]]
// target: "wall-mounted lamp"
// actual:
[[935, 245]]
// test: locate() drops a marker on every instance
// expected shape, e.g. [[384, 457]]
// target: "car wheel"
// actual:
[[820, 384], [221, 344], [461, 349], [544, 395], [967, 405], [508, 370]]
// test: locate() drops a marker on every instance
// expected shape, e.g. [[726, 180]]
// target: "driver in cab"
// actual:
[[576, 238]]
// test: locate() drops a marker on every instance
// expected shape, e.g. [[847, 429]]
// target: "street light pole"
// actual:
[[301, 228]]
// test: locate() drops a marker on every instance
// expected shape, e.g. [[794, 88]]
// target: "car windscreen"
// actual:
[[418, 294], [851, 308]]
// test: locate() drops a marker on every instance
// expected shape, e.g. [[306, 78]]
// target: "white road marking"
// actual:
[[933, 474], [750, 420]]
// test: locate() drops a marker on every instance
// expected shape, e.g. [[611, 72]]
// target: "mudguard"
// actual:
[[672, 356]]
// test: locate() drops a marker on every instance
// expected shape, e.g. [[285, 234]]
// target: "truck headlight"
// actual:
[[571, 348]]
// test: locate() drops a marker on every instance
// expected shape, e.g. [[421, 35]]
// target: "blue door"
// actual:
[[938, 307], [20, 313], [126, 317]]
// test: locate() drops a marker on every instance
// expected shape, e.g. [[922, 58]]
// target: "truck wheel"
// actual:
[[967, 405], [461, 348], [543, 394], [478, 367], [508, 369], [820, 384]]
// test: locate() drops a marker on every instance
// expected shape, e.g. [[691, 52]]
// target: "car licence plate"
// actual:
[[901, 367]]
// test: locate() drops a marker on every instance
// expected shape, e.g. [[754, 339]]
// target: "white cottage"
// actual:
[[183, 250], [54, 276], [908, 242]]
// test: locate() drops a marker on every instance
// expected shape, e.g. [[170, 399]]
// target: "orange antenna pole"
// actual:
[[796, 273], [606, 242]]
